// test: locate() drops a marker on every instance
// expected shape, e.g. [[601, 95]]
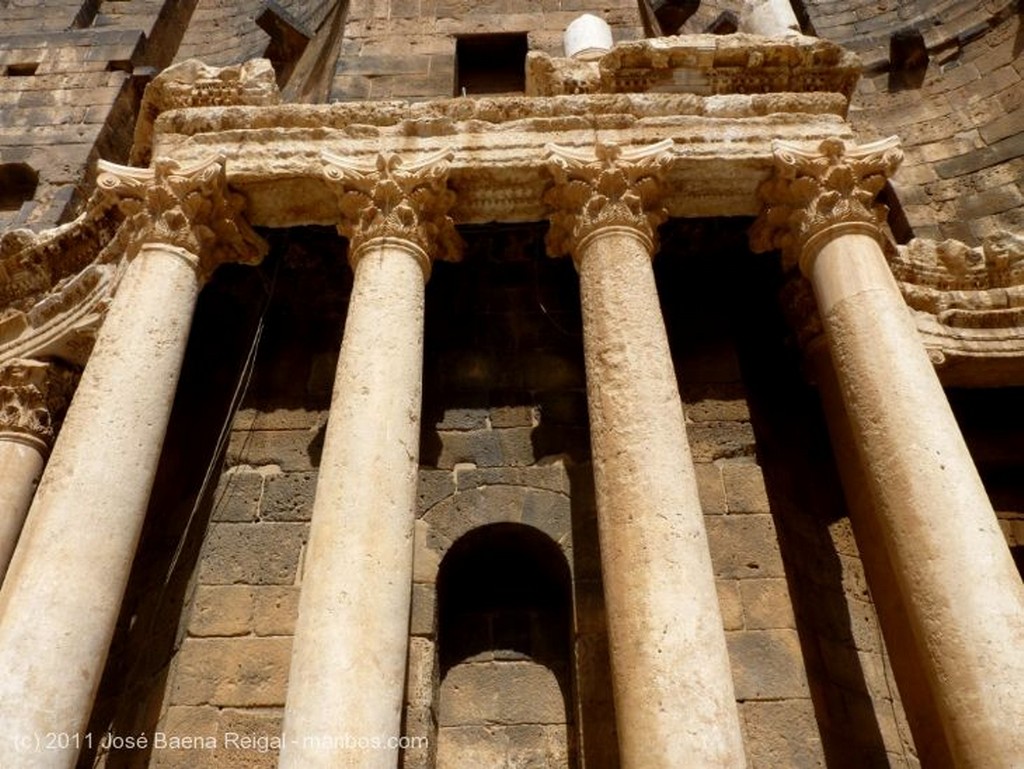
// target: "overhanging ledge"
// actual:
[[721, 146]]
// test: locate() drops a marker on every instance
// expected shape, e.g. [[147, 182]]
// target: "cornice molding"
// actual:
[[722, 147], [55, 285], [608, 187], [186, 206], [817, 193], [193, 84], [704, 65], [968, 303], [396, 199]]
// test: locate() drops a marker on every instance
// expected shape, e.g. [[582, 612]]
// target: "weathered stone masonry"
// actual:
[[396, 472]]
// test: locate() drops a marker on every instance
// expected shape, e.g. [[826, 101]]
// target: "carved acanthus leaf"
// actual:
[[190, 207], [812, 191], [395, 199], [34, 397], [613, 187]]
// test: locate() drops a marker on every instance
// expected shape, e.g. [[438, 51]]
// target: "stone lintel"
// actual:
[[722, 147]]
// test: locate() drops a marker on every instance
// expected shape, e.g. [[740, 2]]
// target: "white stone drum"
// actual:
[[588, 37]]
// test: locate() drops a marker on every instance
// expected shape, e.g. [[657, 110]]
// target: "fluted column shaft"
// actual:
[[33, 396], [62, 595], [671, 678], [961, 591], [347, 679]]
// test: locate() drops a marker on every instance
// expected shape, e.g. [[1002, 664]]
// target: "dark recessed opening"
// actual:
[[503, 586], [22, 70], [672, 14], [725, 24], [18, 183], [288, 39], [897, 218], [490, 64], [908, 60]]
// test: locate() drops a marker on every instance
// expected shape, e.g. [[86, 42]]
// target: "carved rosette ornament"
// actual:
[[187, 207], [614, 187], [33, 399], [815, 195], [396, 201]]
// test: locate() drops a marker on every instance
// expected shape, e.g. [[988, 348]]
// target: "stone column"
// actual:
[[962, 594], [61, 598], [671, 679], [33, 397], [772, 18], [347, 679]]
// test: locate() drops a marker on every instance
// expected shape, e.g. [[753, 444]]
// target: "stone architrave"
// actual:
[[963, 597], [62, 594], [33, 398], [347, 680], [671, 678]]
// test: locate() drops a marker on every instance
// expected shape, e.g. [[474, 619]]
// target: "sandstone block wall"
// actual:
[[205, 635], [402, 49], [71, 77]]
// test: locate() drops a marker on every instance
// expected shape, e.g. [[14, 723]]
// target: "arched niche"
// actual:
[[504, 648]]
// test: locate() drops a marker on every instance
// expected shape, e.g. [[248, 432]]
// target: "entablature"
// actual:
[[721, 146]]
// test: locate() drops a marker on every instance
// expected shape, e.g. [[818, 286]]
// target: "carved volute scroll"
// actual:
[[33, 399], [188, 207], [613, 187], [396, 200], [814, 194]]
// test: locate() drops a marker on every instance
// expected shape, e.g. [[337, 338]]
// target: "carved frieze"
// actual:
[[396, 199], [32, 264], [705, 65], [812, 192], [968, 303], [33, 398], [612, 186], [193, 84], [54, 285], [189, 207]]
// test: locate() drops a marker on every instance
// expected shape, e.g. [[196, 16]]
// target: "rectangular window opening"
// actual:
[[490, 64], [24, 69]]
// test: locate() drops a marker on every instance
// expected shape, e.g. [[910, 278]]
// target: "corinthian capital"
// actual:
[[813, 194], [397, 200], [189, 207], [614, 187], [33, 399]]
